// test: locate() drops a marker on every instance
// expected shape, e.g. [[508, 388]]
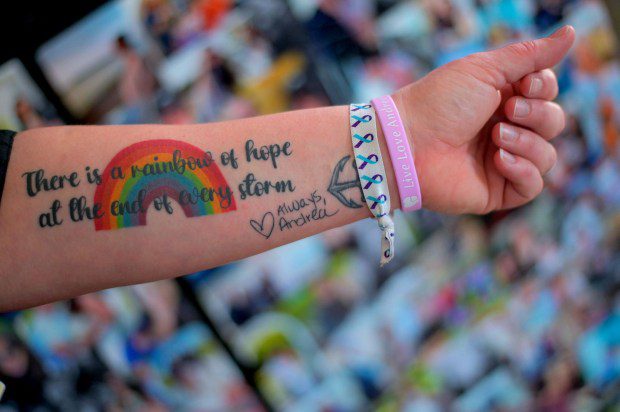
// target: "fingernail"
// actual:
[[507, 133], [506, 157], [536, 85], [522, 108]]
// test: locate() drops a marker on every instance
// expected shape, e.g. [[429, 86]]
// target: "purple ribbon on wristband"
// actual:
[[400, 153]]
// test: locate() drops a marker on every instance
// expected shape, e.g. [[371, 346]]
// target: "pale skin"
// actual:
[[460, 120]]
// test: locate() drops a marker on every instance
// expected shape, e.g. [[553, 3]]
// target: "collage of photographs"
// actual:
[[513, 311]]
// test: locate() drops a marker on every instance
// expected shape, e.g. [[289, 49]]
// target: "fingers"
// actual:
[[540, 85], [526, 144], [542, 117], [523, 158], [509, 64], [524, 181]]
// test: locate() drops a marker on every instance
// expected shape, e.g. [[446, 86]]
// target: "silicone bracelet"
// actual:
[[371, 173], [400, 153]]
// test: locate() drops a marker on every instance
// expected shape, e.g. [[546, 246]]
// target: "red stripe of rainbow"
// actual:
[[126, 189]]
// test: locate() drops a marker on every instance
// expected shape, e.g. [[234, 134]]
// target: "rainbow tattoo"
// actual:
[[155, 171]]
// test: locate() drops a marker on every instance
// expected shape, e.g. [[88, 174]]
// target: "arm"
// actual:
[[91, 207], [274, 192]]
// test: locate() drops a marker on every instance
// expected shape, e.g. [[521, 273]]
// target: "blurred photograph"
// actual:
[[509, 303]]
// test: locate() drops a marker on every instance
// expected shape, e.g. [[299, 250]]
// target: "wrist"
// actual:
[[414, 130]]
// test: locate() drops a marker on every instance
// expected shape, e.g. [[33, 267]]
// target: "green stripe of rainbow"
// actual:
[[127, 189]]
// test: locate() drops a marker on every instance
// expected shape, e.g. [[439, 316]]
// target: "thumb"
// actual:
[[510, 63]]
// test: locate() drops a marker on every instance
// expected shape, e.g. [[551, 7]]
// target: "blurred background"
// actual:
[[508, 312]]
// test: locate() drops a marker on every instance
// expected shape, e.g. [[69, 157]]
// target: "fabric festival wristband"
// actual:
[[400, 153], [371, 172]]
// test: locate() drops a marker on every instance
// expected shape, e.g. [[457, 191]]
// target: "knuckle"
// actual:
[[557, 123], [523, 49], [539, 189], [553, 88], [552, 157], [530, 173], [549, 76], [540, 185], [562, 120], [537, 184], [529, 46], [554, 91]]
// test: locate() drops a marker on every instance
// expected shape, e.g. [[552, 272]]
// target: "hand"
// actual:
[[480, 126]]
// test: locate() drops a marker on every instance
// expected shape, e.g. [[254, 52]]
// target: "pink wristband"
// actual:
[[400, 153]]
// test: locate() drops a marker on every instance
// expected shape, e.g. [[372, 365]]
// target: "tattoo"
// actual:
[[37, 182], [303, 211], [155, 172], [265, 226], [339, 187], [51, 219], [251, 187], [273, 151], [296, 213]]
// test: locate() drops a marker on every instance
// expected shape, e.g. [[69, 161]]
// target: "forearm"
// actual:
[[125, 216]]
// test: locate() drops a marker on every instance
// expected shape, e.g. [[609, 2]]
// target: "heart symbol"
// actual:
[[410, 201], [265, 227]]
